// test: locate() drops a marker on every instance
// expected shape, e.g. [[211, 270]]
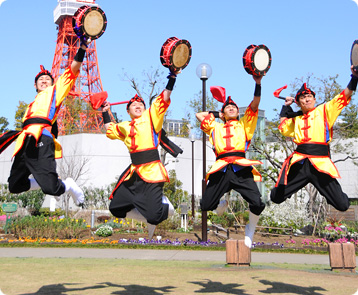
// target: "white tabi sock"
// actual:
[[171, 210], [250, 229]]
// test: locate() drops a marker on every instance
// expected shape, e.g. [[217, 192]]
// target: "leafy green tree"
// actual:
[[98, 198], [20, 112], [173, 190], [348, 126], [196, 106], [3, 124], [31, 200]]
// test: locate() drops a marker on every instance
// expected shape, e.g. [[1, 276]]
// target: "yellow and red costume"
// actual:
[[141, 184], [316, 128], [142, 135], [50, 98], [36, 147], [311, 162], [231, 169], [232, 137]]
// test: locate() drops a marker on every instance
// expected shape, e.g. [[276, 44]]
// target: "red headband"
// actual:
[[135, 98], [304, 90], [42, 73]]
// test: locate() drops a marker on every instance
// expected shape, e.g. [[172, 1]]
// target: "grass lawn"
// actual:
[[57, 276]]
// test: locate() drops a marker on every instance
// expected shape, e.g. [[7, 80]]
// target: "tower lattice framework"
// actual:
[[76, 114]]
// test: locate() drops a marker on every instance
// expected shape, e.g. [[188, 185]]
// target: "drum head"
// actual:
[[261, 59], [354, 55], [181, 56], [94, 23]]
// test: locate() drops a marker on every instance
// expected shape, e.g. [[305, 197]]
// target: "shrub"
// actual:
[[115, 223], [104, 231], [46, 212], [291, 213], [47, 227]]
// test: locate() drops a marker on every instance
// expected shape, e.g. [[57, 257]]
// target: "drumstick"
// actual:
[[278, 91], [119, 102], [98, 99]]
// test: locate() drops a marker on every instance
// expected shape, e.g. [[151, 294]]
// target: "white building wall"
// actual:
[[108, 158]]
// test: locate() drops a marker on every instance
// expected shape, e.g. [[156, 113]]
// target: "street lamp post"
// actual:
[[192, 139], [203, 71]]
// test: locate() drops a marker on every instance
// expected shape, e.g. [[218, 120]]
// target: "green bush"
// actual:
[[31, 200], [168, 224], [47, 227], [104, 231], [46, 212], [226, 220]]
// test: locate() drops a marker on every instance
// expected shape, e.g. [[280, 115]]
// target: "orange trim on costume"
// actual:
[[305, 128], [132, 134], [228, 136], [165, 178], [142, 150], [140, 165], [250, 113], [119, 132], [163, 104], [342, 101], [320, 170], [119, 183]]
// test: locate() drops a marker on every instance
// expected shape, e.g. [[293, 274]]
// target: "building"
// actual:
[[176, 127]]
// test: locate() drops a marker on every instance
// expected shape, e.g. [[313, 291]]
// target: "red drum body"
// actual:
[[354, 55], [91, 21], [175, 53], [257, 60]]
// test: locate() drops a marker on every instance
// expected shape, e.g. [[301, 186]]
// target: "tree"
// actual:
[[196, 106], [98, 198], [20, 112], [75, 167], [173, 190], [280, 147], [31, 200], [3, 125], [151, 85]]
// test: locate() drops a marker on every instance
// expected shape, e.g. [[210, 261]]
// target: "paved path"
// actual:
[[142, 254]]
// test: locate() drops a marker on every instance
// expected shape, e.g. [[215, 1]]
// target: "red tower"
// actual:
[[76, 114]]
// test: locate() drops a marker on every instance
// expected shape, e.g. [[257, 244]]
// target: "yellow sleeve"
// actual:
[[287, 127], [64, 84], [334, 107], [157, 112], [250, 121], [208, 124], [115, 131]]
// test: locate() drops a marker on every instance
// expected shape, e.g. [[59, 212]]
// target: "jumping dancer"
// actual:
[[231, 169], [312, 131]]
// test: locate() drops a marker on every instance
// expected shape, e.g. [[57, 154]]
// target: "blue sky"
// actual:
[[307, 36]]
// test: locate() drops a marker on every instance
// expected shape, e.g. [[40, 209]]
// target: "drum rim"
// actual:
[[179, 42], [354, 67], [162, 60], [253, 70], [88, 9]]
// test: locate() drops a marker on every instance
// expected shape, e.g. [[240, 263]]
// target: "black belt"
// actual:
[[232, 154], [313, 149], [36, 121], [143, 157]]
